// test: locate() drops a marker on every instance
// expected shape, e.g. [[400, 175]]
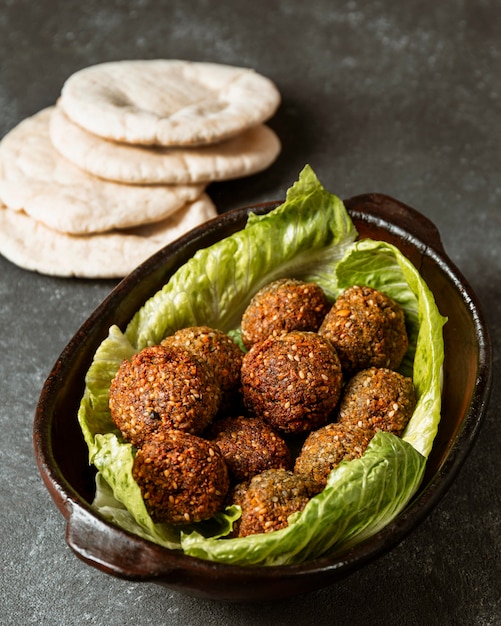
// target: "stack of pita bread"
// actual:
[[118, 167]]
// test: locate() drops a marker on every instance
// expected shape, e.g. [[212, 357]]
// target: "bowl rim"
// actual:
[[81, 519]]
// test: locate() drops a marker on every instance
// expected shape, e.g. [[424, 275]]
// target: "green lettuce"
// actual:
[[312, 237], [360, 498], [305, 237]]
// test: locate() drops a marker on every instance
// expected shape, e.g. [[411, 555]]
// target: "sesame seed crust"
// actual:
[[281, 306], [270, 498], [249, 446], [215, 347], [367, 328], [162, 387], [326, 447], [204, 416], [183, 478], [379, 399], [293, 381]]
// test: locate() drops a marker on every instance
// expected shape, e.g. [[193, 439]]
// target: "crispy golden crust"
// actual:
[[282, 306], [215, 347], [249, 446], [378, 398], [326, 447], [162, 387], [183, 478], [270, 498], [367, 328], [292, 381]]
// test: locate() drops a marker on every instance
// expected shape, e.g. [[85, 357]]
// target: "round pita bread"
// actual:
[[247, 153], [168, 102], [35, 178], [33, 246]]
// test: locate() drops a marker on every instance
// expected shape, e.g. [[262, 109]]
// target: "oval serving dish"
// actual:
[[62, 455]]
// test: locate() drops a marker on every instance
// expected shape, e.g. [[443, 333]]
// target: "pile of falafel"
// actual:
[[214, 424]]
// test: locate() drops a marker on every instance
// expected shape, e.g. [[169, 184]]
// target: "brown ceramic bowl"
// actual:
[[62, 455]]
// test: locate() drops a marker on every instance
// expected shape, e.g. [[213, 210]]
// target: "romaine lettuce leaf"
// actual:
[[94, 414], [123, 503], [304, 237], [360, 498], [364, 495], [384, 267], [310, 236]]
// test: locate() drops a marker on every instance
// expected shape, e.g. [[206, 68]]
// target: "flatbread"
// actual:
[[35, 178], [168, 102], [247, 153], [33, 246]]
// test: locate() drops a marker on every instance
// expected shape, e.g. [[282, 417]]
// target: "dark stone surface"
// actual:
[[397, 98]]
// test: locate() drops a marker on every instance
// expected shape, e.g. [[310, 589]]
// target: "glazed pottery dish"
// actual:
[[370, 239]]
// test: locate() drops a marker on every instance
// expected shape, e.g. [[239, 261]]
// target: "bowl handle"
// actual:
[[111, 549]]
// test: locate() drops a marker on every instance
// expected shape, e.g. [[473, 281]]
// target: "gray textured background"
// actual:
[[402, 98]]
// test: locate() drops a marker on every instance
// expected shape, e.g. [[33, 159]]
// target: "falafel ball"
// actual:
[[183, 478], [215, 347], [293, 381], [367, 328], [283, 305], [249, 446], [379, 399], [271, 498], [326, 447], [162, 387]]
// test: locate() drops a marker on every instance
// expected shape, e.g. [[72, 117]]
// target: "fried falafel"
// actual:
[[293, 381], [162, 387], [271, 498], [367, 328], [326, 447], [379, 399], [183, 478], [215, 347], [249, 446], [283, 305]]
